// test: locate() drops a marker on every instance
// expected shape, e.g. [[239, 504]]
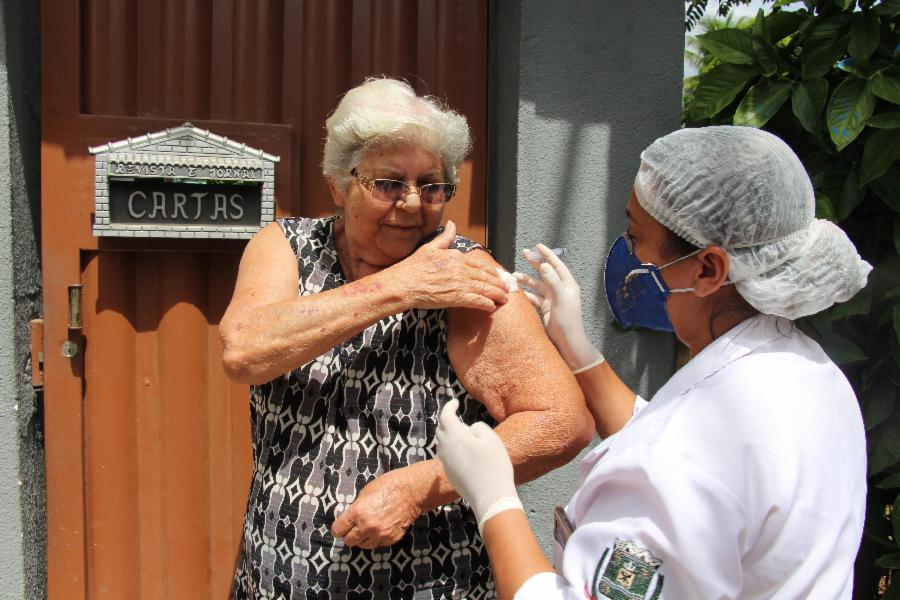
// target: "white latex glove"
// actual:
[[477, 464], [557, 297]]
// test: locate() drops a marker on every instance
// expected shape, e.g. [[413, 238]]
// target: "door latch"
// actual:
[[37, 353]]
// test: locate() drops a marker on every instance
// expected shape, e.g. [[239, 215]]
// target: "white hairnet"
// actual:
[[745, 190]]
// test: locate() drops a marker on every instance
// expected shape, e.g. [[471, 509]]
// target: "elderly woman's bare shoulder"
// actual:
[[268, 271], [505, 359]]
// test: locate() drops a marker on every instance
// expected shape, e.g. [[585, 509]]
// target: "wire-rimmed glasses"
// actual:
[[392, 190]]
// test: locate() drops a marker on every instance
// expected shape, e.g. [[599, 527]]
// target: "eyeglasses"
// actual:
[[391, 190]]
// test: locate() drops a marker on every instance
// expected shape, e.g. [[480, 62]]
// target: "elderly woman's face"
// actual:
[[382, 232]]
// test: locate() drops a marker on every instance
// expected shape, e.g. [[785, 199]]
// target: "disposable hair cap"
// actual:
[[745, 190]]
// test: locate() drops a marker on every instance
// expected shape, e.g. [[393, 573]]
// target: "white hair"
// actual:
[[384, 111]]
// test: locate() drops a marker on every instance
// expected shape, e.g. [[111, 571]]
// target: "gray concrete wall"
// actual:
[[22, 513], [578, 89]]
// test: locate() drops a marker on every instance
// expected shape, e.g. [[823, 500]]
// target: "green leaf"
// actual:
[[890, 482], [718, 88], [851, 195], [730, 45], [780, 3], [897, 234], [893, 592], [824, 209], [860, 68], [887, 187], [886, 84], [885, 445], [893, 295], [832, 182], [888, 8], [895, 519], [822, 46], [841, 350], [765, 54], [816, 164], [859, 304], [818, 63], [760, 27], [782, 24], [808, 101], [879, 403], [845, 4], [762, 102], [850, 107], [864, 36], [889, 561], [881, 150], [897, 322], [890, 270], [889, 120]]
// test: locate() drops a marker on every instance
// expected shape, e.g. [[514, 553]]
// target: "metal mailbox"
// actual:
[[183, 182]]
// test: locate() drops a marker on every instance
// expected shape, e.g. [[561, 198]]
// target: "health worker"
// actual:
[[745, 475]]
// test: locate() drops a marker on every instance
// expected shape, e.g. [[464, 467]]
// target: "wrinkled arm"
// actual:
[[505, 360], [268, 329]]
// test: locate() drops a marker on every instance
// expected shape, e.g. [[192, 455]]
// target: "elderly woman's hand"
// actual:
[[381, 513], [435, 276]]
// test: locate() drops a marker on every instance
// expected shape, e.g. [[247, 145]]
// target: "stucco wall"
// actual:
[[578, 89], [22, 521]]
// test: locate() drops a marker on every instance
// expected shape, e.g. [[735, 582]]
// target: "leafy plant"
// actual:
[[826, 79], [695, 9]]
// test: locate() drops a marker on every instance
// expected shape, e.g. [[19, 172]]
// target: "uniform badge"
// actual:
[[629, 574]]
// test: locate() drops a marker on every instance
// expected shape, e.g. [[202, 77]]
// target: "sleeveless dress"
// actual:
[[324, 430]]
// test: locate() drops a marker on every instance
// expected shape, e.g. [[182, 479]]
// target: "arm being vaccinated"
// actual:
[[557, 297]]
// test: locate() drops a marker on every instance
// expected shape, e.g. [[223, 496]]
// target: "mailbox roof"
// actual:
[[134, 144], [185, 160]]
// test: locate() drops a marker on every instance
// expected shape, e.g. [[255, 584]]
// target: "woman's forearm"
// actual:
[[609, 400], [264, 342], [514, 552], [537, 442]]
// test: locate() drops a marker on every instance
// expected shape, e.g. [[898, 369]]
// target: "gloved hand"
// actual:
[[477, 464], [558, 298]]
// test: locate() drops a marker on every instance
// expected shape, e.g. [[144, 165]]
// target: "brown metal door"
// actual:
[[147, 442]]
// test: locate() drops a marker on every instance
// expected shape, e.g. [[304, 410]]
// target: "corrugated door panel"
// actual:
[[258, 39], [109, 46], [183, 47], [229, 429], [113, 480], [184, 457], [166, 432]]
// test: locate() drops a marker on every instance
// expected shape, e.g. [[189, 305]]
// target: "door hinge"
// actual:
[[37, 353]]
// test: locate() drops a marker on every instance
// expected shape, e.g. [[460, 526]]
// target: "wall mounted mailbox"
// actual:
[[183, 182]]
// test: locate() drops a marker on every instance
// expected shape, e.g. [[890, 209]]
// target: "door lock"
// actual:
[[69, 349]]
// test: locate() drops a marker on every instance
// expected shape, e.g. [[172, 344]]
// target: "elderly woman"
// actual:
[[354, 332], [745, 475]]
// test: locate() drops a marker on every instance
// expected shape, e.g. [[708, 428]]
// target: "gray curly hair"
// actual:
[[384, 111]]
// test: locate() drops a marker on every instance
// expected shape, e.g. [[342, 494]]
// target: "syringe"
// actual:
[[534, 254]]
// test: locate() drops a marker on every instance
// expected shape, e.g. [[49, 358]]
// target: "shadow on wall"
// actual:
[[597, 122], [20, 56]]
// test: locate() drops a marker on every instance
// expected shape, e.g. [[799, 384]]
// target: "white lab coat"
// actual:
[[744, 477]]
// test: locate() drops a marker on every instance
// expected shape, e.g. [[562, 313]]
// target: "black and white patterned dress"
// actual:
[[324, 430]]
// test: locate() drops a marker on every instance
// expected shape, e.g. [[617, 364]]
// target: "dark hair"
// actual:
[[675, 246]]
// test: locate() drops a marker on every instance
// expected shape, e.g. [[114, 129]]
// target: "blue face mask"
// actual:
[[636, 291]]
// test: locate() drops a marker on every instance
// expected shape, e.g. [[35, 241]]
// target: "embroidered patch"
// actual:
[[629, 574]]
